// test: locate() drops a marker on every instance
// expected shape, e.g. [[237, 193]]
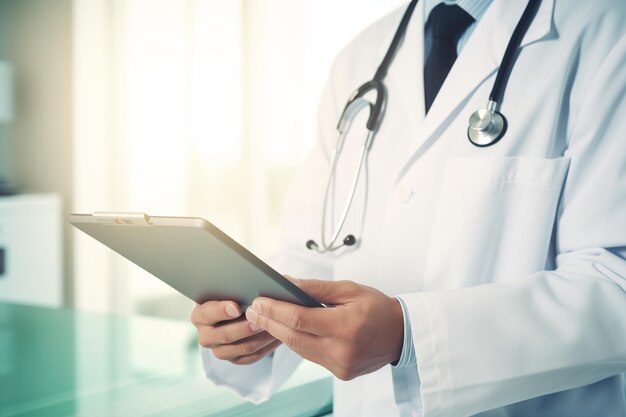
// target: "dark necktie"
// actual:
[[447, 24]]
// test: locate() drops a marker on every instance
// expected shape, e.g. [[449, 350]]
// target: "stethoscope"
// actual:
[[486, 126]]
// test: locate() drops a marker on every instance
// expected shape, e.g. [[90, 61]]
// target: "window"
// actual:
[[196, 108]]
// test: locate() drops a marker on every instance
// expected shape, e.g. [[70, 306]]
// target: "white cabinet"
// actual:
[[31, 253]]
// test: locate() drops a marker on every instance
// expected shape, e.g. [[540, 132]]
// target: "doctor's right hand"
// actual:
[[222, 329]]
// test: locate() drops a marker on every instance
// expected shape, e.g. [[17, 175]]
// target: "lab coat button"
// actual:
[[403, 193]]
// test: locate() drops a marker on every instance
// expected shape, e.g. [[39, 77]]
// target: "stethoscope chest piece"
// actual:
[[486, 126]]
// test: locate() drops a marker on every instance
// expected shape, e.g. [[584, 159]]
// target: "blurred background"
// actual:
[[171, 107]]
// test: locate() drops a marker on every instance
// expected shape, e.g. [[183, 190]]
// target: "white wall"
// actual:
[[36, 147]]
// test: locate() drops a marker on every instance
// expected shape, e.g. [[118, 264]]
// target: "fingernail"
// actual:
[[232, 311], [254, 327], [251, 315], [256, 306], [292, 279]]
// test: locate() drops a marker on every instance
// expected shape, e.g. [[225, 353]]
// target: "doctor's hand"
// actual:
[[231, 338], [363, 332]]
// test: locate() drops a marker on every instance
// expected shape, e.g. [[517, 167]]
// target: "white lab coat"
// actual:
[[510, 258]]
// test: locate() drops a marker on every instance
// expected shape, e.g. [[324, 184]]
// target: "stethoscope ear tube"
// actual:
[[349, 113], [349, 240], [378, 107], [356, 102]]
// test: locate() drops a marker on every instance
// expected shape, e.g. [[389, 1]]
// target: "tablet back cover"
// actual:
[[192, 256]]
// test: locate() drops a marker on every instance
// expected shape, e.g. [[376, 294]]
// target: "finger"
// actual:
[[224, 334], [248, 359], [298, 341], [292, 279], [319, 321], [310, 347], [329, 292], [213, 312], [244, 347]]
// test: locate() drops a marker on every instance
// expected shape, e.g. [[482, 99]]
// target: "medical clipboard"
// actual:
[[192, 256]]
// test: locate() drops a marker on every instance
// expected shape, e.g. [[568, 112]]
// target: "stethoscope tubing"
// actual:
[[512, 49], [353, 106], [398, 37], [486, 126]]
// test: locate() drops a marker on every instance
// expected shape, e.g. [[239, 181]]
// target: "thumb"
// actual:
[[328, 292]]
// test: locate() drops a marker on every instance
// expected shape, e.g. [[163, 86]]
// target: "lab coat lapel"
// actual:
[[479, 59]]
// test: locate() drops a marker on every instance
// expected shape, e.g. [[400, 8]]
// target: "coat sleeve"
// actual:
[[258, 381], [492, 345]]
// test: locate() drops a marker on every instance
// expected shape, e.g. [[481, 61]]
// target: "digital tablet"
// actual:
[[192, 256]]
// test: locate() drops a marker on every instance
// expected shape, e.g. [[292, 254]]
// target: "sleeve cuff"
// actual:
[[407, 357], [429, 331], [255, 382]]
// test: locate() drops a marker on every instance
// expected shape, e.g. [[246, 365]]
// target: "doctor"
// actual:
[[484, 280]]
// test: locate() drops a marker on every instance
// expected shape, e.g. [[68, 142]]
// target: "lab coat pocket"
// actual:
[[494, 221]]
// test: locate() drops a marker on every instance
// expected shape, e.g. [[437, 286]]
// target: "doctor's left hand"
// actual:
[[363, 332]]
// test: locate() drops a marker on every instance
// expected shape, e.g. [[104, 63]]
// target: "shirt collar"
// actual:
[[475, 8]]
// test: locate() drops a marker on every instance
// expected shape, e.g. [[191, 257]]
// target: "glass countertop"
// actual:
[[59, 363]]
